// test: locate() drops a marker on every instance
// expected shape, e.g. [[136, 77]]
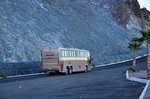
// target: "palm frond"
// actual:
[[137, 40], [145, 35], [134, 46]]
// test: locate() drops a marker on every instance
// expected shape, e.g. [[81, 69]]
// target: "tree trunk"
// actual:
[[134, 59], [148, 61]]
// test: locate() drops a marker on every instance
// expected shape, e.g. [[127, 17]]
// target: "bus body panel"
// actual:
[[50, 58], [77, 65]]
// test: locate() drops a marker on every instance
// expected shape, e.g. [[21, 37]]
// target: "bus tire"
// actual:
[[86, 69], [70, 70], [67, 70]]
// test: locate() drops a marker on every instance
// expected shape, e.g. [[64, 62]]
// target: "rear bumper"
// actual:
[[50, 70]]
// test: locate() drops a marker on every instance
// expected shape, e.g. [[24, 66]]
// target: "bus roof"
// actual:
[[47, 48], [72, 49]]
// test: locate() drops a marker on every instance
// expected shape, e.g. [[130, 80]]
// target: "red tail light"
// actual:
[[58, 66]]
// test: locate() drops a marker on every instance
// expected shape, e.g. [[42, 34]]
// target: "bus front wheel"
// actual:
[[70, 70], [86, 70]]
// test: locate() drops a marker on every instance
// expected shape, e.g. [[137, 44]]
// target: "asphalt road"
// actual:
[[100, 83]]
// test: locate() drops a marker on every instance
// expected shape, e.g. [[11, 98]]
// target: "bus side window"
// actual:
[[63, 53], [86, 54], [71, 53], [79, 54], [67, 53], [76, 53], [83, 54], [60, 53]]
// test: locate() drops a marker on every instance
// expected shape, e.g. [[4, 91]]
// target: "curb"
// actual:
[[147, 82], [144, 91], [35, 74]]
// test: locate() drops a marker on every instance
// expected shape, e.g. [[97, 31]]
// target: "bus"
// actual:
[[65, 60]]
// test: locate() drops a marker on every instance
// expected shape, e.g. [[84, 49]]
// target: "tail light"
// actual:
[[58, 66]]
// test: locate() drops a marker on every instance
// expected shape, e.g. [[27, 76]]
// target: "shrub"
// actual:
[[131, 69], [3, 75], [93, 65]]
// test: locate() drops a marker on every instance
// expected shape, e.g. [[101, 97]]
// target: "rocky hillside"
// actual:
[[128, 14], [100, 26], [145, 18]]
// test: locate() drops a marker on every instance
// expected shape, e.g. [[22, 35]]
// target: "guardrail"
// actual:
[[120, 61]]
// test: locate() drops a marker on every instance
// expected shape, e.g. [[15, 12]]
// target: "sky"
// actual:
[[145, 3]]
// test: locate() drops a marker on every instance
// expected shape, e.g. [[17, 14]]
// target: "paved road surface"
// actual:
[[101, 83]]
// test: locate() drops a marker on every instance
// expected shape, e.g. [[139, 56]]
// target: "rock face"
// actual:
[[28, 25], [129, 14], [145, 18], [145, 14], [126, 9]]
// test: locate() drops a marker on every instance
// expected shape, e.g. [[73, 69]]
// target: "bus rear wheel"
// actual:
[[67, 70]]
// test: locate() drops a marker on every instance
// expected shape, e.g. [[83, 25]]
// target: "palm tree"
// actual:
[[134, 46], [145, 38]]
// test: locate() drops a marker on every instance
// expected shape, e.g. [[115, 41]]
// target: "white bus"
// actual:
[[65, 60]]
